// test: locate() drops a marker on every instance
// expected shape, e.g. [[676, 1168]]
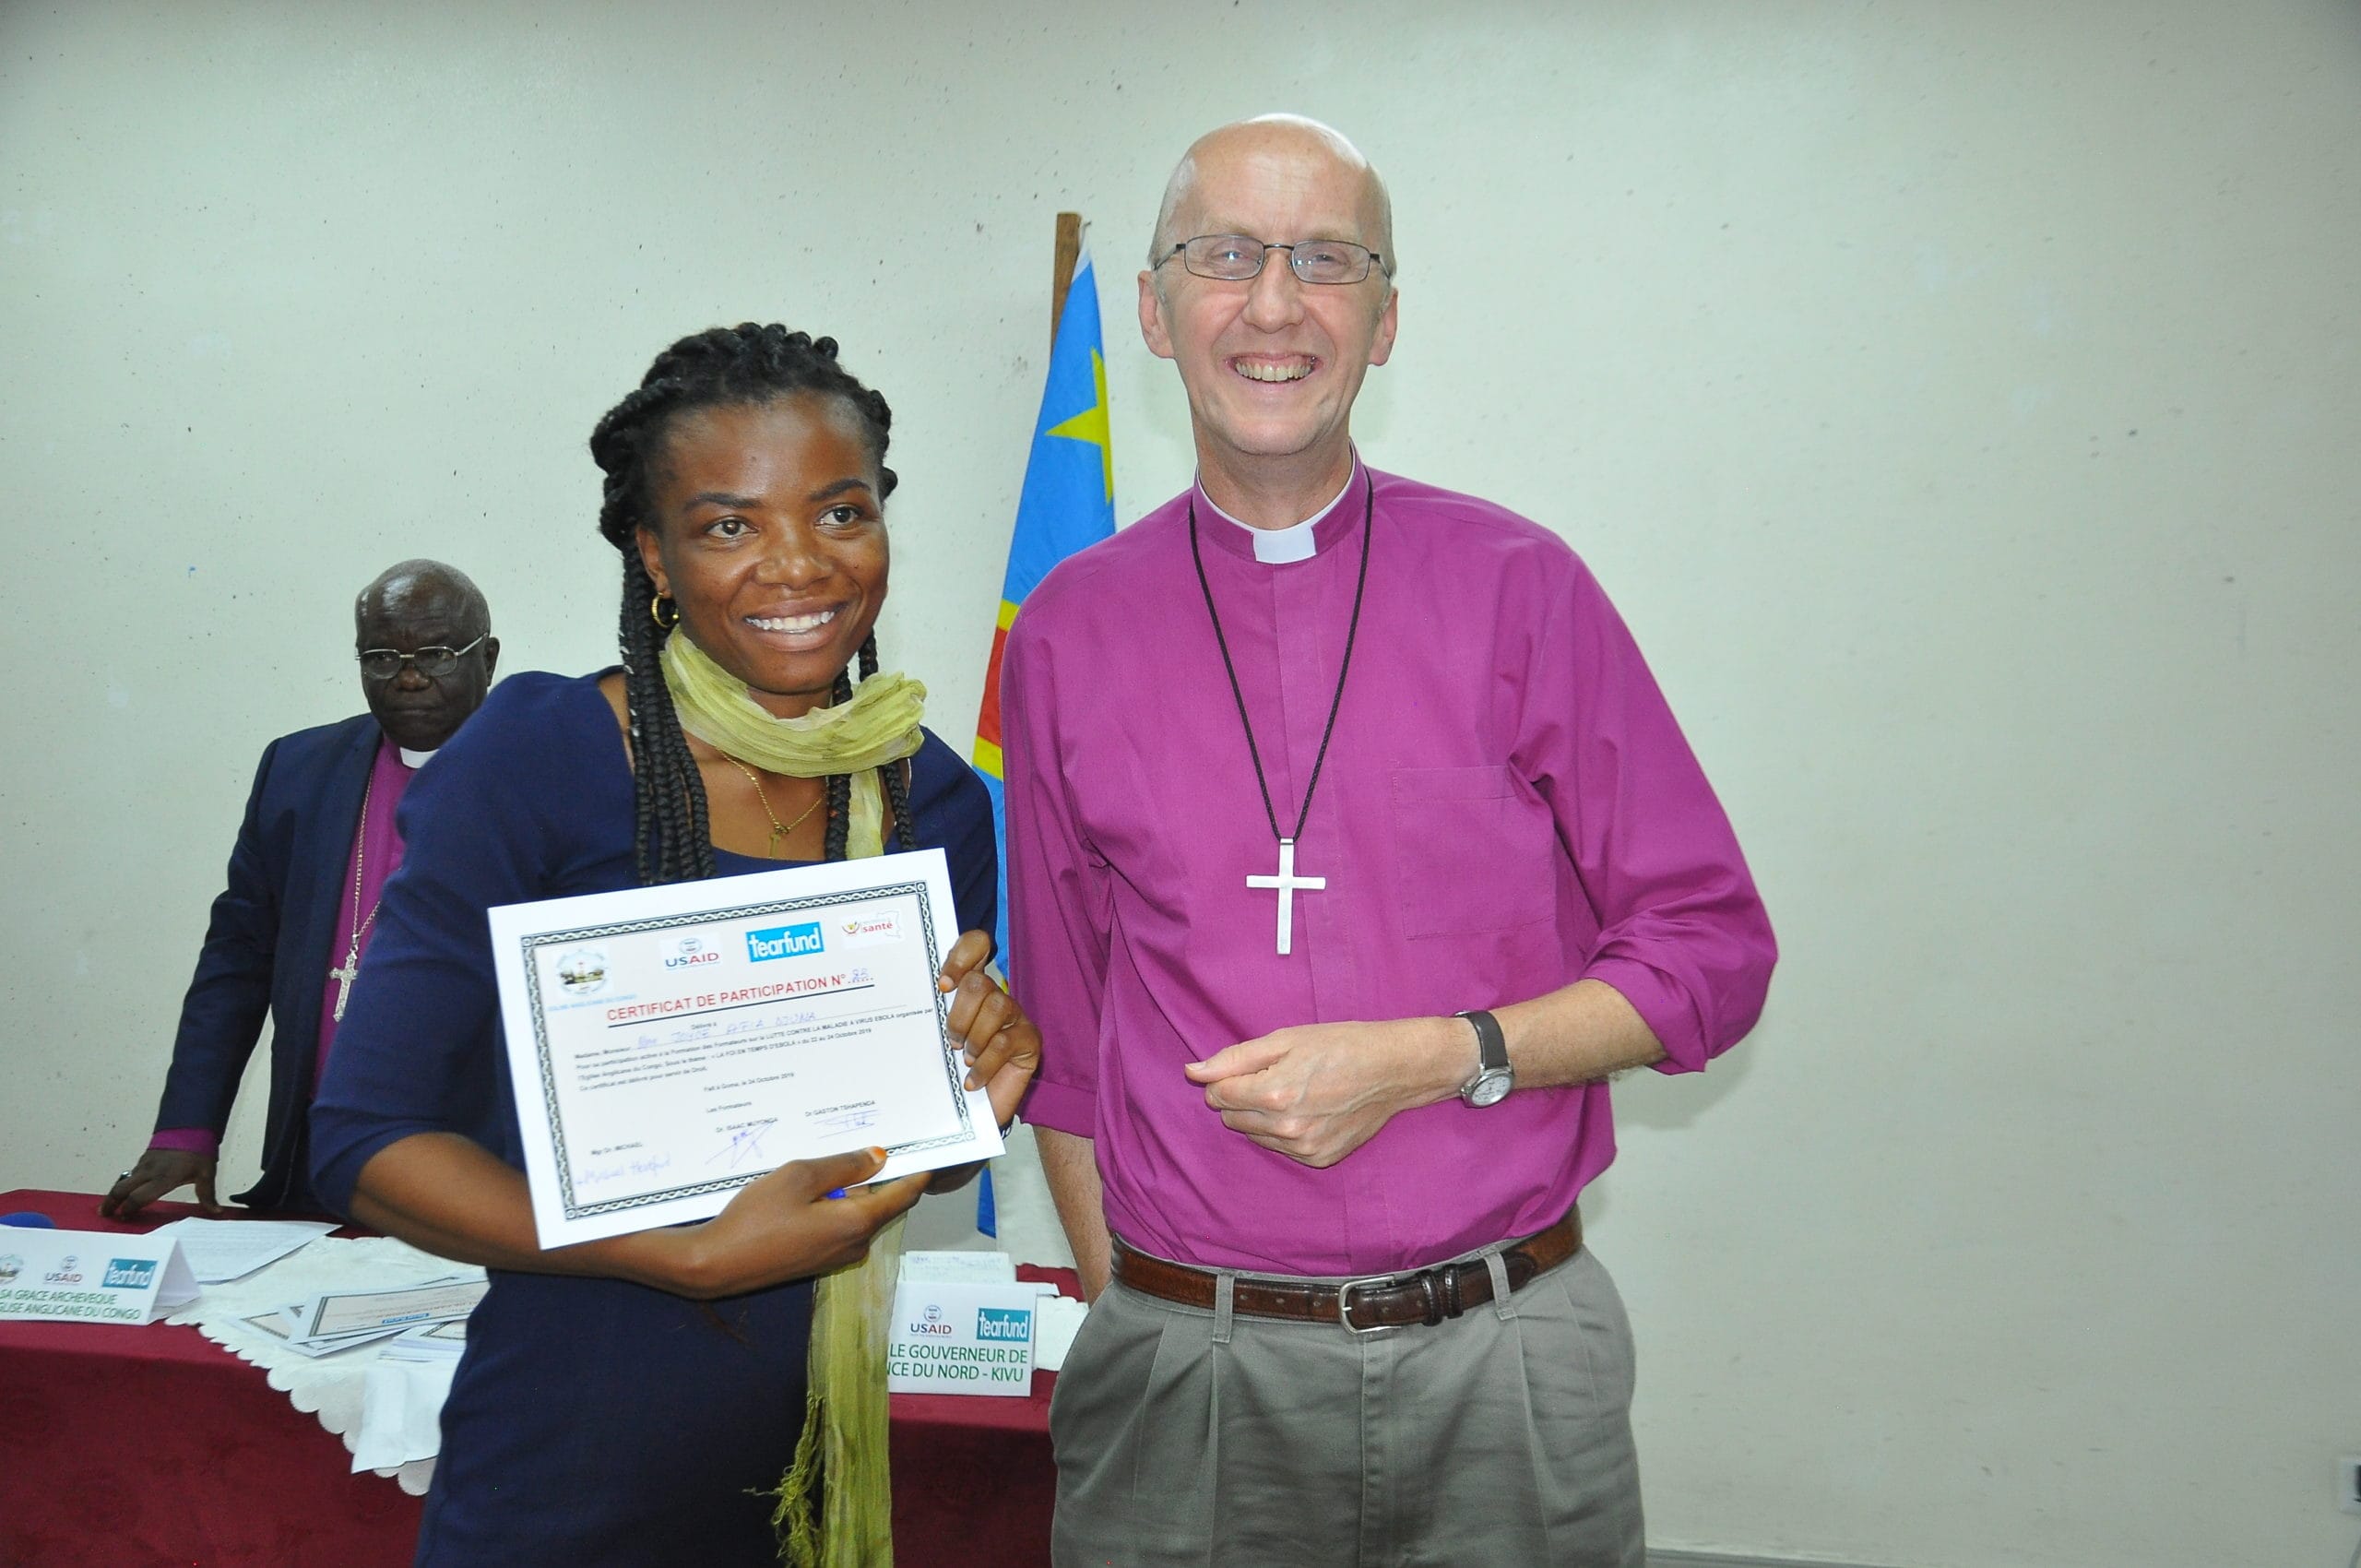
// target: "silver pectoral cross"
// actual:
[[1286, 883], [344, 979]]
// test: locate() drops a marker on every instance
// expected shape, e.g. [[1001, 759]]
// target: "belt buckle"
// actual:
[[1344, 1303]]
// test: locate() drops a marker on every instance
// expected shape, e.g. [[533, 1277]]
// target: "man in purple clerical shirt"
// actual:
[[1352, 846], [319, 840]]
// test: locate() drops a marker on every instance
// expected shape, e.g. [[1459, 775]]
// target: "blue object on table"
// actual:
[[26, 1219]]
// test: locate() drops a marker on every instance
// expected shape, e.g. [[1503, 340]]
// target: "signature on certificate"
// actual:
[[599, 1175], [745, 1146], [849, 1118]]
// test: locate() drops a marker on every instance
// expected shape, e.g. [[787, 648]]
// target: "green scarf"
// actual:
[[844, 1441]]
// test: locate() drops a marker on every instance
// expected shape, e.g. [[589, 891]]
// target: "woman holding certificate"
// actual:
[[651, 1398]]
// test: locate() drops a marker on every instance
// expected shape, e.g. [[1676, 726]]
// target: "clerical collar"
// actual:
[[412, 759], [1295, 542]]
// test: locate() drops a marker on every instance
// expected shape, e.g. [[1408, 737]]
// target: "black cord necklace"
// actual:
[[1286, 883]]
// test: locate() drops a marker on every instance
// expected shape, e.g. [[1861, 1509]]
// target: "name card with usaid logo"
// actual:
[[958, 1338], [91, 1276], [671, 1044]]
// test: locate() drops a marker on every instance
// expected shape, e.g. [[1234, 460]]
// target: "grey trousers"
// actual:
[[1502, 1439]]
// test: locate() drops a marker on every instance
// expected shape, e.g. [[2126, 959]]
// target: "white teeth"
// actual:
[[791, 622], [1294, 371]]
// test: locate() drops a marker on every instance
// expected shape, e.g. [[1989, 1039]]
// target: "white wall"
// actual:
[[1963, 402]]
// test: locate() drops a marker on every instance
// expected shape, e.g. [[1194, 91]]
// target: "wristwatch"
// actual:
[[1494, 1077]]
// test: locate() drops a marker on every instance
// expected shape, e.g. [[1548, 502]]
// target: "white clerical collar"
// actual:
[[413, 759], [1278, 546]]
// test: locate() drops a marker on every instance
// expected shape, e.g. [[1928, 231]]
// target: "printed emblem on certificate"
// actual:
[[669, 1044]]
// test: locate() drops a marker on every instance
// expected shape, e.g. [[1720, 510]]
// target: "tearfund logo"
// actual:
[[785, 942]]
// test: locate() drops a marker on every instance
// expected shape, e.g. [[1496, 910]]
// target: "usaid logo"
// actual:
[[1004, 1323], [129, 1273], [931, 1322], [785, 942], [67, 1272], [688, 953]]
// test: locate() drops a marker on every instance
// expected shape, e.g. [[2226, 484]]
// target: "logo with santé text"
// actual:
[[785, 942]]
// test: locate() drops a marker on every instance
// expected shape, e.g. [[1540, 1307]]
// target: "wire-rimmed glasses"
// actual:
[[1235, 258], [384, 663]]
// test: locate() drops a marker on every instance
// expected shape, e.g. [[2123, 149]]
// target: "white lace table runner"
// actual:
[[333, 1388]]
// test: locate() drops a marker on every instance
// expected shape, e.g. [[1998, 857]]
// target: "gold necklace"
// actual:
[[778, 830]]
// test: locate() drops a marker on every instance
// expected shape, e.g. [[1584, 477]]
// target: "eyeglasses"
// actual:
[[1235, 258], [384, 663]]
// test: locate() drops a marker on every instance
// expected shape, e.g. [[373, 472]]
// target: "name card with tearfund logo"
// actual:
[[91, 1276], [962, 1324]]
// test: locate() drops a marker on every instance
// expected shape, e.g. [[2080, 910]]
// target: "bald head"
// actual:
[[409, 588], [1283, 148]]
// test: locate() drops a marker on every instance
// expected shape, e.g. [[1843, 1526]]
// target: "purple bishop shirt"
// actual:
[[1507, 806], [377, 852]]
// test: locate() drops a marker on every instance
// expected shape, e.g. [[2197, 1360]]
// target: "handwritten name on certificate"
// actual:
[[671, 1044]]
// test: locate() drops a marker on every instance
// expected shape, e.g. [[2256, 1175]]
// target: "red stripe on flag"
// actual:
[[988, 720]]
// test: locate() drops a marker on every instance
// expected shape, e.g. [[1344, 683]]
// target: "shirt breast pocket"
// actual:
[[1472, 851]]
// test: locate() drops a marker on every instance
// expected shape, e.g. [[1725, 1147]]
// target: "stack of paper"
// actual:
[[437, 1342], [341, 1320]]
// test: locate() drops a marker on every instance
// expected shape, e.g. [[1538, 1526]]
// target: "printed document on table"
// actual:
[[221, 1249], [280, 1326], [671, 1044], [339, 1315]]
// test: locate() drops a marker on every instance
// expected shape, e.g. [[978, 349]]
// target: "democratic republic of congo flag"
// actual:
[[1068, 502]]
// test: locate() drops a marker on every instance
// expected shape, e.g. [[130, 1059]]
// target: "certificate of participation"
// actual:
[[669, 1044]]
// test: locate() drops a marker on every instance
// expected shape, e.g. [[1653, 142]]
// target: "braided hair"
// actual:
[[728, 366]]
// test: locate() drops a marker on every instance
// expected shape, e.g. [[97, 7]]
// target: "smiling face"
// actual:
[[767, 529], [1271, 365]]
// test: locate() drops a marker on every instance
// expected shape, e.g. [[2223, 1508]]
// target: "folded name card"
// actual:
[[92, 1275], [953, 1338]]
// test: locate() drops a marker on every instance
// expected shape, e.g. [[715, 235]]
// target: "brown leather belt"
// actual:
[[1384, 1300]]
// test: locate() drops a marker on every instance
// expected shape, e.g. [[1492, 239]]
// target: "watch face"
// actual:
[[1491, 1090]]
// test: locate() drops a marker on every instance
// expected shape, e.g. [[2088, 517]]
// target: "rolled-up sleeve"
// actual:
[[1683, 935]]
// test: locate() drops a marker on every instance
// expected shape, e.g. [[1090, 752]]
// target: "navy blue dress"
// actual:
[[591, 1422]]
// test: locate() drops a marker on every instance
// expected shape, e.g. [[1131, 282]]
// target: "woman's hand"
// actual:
[[441, 1192], [1002, 1046], [785, 1226]]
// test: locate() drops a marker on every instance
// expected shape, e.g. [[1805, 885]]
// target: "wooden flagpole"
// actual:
[[1069, 250]]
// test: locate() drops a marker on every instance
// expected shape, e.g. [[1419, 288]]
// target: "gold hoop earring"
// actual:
[[656, 613]]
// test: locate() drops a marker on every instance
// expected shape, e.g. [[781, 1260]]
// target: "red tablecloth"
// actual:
[[121, 1447]]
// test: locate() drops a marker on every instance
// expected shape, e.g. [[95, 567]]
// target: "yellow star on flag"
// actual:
[[1091, 425]]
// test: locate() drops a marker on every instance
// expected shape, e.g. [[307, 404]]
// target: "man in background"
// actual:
[[1352, 846], [319, 840]]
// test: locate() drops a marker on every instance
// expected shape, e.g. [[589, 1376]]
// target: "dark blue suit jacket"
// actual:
[[267, 947]]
